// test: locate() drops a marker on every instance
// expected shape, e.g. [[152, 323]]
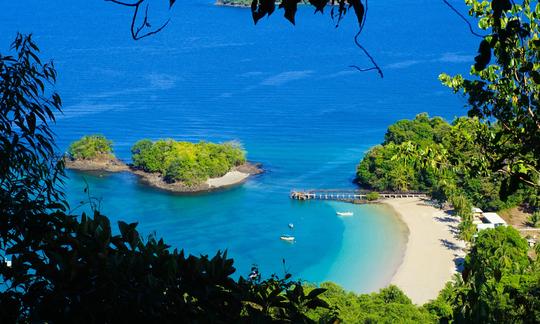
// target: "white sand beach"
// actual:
[[229, 179], [432, 249]]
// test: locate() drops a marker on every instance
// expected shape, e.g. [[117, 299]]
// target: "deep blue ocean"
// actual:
[[285, 92]]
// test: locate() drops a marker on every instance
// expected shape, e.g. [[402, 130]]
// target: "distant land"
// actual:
[[247, 3], [234, 3]]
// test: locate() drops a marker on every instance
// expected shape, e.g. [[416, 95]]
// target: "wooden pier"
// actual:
[[350, 195]]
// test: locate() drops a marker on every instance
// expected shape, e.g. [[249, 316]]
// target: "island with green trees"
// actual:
[[167, 164], [93, 153]]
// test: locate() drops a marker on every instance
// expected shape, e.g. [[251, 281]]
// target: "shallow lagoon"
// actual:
[[285, 92]]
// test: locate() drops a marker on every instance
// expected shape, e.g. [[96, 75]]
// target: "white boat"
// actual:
[[344, 213], [288, 238]]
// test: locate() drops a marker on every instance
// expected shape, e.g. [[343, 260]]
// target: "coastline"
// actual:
[[234, 177], [432, 251]]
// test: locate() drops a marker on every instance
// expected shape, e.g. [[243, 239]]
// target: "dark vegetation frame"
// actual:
[[74, 269]]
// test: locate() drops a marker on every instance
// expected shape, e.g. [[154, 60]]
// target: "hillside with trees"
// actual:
[[445, 159]]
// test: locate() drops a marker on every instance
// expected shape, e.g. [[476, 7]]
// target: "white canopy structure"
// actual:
[[495, 219]]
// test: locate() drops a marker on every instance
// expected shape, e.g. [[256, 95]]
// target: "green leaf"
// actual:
[[124, 229], [359, 10], [484, 57], [316, 292], [498, 6], [319, 5], [290, 7], [535, 75], [31, 121]]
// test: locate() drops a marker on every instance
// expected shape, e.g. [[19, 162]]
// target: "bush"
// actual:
[[91, 147], [462, 206], [389, 305], [534, 219], [441, 307], [499, 280], [372, 196], [186, 171]]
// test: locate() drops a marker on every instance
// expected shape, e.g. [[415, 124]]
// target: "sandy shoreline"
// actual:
[[432, 250], [230, 178]]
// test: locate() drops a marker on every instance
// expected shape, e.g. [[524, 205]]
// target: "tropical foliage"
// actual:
[[500, 283], [505, 86], [190, 163], [91, 147], [371, 196], [380, 170]]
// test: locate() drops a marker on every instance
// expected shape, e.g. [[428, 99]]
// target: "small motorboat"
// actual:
[[288, 238], [344, 213], [291, 225]]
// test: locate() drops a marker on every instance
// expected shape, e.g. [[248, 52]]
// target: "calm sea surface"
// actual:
[[285, 92]]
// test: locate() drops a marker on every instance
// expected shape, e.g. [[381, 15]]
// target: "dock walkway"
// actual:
[[350, 194]]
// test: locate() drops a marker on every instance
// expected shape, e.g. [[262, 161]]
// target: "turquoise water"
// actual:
[[285, 92]]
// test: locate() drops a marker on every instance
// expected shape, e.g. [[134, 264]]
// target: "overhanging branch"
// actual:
[[137, 32]]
